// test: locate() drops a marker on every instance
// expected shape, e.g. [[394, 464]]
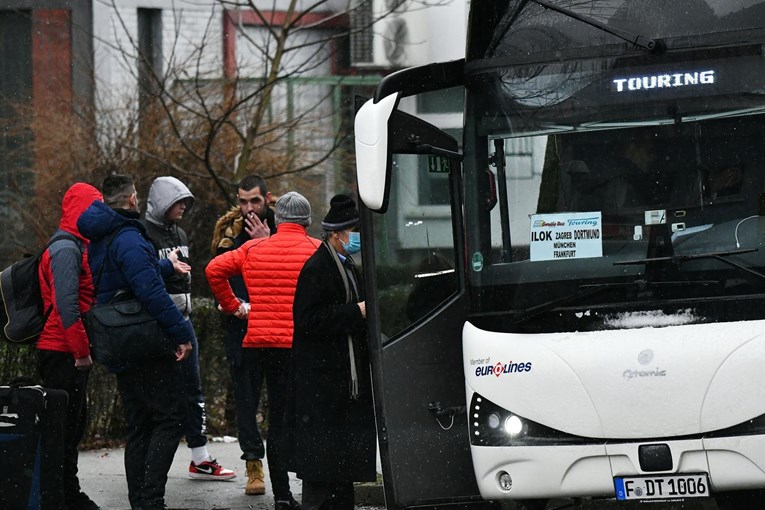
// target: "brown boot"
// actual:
[[255, 484]]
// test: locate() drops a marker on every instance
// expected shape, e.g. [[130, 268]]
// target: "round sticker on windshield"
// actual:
[[477, 261]]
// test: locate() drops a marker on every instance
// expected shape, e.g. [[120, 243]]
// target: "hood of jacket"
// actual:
[[99, 220], [229, 226], [76, 200], [164, 192]]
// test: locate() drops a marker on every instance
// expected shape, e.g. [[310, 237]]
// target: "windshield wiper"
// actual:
[[627, 124], [588, 290], [717, 255], [756, 110], [638, 40]]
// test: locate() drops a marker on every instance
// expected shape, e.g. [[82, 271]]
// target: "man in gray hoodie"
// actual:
[[168, 201]]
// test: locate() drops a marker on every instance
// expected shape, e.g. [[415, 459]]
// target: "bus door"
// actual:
[[416, 307]]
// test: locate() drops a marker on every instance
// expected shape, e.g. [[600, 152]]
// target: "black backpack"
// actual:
[[22, 315]]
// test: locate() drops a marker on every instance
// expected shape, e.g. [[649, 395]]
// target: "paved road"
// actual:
[[102, 476]]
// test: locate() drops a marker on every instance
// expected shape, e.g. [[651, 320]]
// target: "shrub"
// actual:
[[106, 424]]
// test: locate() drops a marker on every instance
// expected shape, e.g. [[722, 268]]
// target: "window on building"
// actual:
[[361, 34], [149, 56], [15, 95]]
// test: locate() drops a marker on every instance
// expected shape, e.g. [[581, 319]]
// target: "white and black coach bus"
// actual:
[[569, 285]]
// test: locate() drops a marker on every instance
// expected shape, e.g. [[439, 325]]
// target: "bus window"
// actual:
[[415, 249]]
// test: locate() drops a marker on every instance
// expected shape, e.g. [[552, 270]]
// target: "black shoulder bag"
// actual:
[[122, 332]]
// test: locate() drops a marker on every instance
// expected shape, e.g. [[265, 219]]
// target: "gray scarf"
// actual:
[[354, 382]]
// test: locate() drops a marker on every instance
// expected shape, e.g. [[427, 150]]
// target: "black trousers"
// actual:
[[257, 365], [196, 417], [57, 371], [153, 399], [327, 495]]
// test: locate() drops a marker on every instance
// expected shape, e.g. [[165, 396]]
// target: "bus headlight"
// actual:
[[513, 424], [494, 426]]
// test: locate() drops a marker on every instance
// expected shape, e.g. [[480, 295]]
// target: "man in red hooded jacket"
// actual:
[[63, 350]]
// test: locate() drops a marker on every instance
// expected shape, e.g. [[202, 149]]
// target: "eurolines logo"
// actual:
[[499, 369]]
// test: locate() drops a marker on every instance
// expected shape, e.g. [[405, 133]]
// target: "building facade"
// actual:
[[103, 64]]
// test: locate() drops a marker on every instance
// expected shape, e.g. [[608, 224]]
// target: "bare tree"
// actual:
[[281, 106], [271, 109]]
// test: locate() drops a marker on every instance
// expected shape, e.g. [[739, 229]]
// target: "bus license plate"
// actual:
[[661, 487]]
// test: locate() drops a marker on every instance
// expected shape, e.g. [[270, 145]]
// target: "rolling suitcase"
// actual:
[[31, 447]]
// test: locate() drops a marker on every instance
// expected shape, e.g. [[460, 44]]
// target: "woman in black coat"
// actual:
[[330, 416]]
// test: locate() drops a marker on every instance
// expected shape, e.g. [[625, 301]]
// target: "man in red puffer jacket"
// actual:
[[63, 350], [270, 268]]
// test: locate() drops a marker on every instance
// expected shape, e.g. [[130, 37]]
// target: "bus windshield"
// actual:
[[622, 181], [518, 28]]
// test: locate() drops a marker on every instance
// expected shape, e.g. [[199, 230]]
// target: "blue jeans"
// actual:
[[273, 366], [196, 419]]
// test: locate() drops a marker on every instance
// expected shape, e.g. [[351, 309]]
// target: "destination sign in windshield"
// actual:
[[574, 235]]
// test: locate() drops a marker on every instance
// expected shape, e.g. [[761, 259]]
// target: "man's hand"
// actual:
[[243, 311], [363, 308], [179, 266], [182, 351], [256, 228], [83, 363]]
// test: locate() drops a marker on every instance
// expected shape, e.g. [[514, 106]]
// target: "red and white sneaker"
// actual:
[[210, 470]]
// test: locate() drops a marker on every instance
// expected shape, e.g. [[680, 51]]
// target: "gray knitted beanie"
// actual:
[[292, 207]]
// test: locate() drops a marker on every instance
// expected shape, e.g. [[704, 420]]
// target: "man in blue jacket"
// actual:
[[122, 258]]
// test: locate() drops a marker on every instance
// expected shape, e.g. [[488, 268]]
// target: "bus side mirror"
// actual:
[[373, 152]]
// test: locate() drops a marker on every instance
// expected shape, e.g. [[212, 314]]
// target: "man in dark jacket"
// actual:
[[251, 219], [63, 350], [168, 201], [330, 418], [123, 259]]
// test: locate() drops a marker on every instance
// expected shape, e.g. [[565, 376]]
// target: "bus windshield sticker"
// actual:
[[575, 235], [438, 165], [477, 261], [657, 217]]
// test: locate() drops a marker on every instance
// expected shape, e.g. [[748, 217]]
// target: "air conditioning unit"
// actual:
[[391, 34]]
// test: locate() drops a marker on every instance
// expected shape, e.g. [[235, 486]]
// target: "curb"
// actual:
[[369, 494]]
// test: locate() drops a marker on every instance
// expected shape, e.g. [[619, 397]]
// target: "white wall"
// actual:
[[447, 31], [186, 26], [437, 33]]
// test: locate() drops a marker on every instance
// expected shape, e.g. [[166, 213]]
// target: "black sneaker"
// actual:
[[288, 504]]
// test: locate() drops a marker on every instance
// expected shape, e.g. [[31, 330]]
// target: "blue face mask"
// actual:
[[354, 243]]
